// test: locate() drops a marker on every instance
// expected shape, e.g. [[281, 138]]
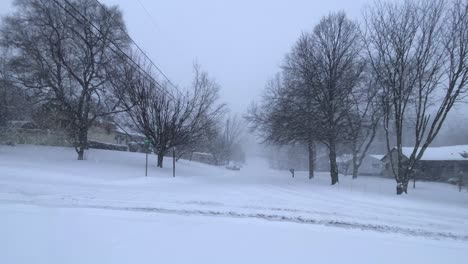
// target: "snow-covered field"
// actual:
[[54, 209]]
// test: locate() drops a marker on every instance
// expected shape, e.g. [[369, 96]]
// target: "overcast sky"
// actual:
[[240, 43]]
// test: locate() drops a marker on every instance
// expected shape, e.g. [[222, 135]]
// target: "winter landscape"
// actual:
[[107, 211], [143, 132]]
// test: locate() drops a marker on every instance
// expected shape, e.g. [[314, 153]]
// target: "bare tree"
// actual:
[[418, 52], [299, 71], [226, 139], [310, 101], [63, 52], [285, 115], [171, 120], [328, 61], [363, 119]]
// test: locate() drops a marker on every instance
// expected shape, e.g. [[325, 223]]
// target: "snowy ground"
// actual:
[[54, 209]]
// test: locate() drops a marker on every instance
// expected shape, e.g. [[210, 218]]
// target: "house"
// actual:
[[344, 163], [112, 133], [371, 164], [116, 137], [322, 162], [437, 163], [106, 135], [27, 132], [202, 157]]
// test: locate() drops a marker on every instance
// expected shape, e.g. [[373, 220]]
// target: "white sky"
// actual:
[[240, 43]]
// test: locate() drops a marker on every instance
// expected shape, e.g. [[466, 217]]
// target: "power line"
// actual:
[[140, 49], [116, 46], [148, 13]]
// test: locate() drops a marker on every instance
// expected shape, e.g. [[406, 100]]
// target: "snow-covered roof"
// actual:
[[344, 158], [440, 153], [203, 154], [128, 131], [379, 157]]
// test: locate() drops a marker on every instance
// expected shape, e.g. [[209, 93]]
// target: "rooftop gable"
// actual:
[[440, 153]]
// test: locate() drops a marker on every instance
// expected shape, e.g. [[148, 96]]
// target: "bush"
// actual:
[[137, 147]]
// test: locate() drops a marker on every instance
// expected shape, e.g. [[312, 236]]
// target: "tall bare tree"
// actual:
[[310, 101], [63, 52], [285, 115], [419, 55], [168, 119], [328, 61]]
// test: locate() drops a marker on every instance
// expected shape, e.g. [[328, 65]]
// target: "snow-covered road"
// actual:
[[106, 210], [33, 234]]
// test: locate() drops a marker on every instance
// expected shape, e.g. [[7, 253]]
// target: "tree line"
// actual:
[[74, 62], [403, 69]]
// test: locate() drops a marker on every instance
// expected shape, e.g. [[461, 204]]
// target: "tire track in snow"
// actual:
[[263, 216], [292, 219]]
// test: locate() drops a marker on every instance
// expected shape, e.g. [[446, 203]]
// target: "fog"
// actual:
[[241, 43]]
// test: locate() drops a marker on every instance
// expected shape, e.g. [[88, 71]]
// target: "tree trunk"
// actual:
[[355, 171], [80, 153], [311, 149], [399, 188], [402, 187], [355, 166], [160, 159], [82, 143], [333, 165]]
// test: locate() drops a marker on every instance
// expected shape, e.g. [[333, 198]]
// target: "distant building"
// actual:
[[344, 163], [202, 157], [437, 163], [99, 135], [371, 165]]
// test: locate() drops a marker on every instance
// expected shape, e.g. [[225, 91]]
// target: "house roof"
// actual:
[[203, 154], [379, 157], [128, 131], [349, 157], [440, 153], [344, 158]]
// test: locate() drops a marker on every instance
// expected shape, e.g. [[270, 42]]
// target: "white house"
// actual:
[[372, 165]]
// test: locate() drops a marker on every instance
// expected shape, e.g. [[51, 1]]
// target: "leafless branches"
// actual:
[[169, 120], [311, 100], [418, 51], [60, 57]]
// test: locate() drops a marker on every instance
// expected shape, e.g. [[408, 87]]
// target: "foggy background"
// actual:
[[240, 43]]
